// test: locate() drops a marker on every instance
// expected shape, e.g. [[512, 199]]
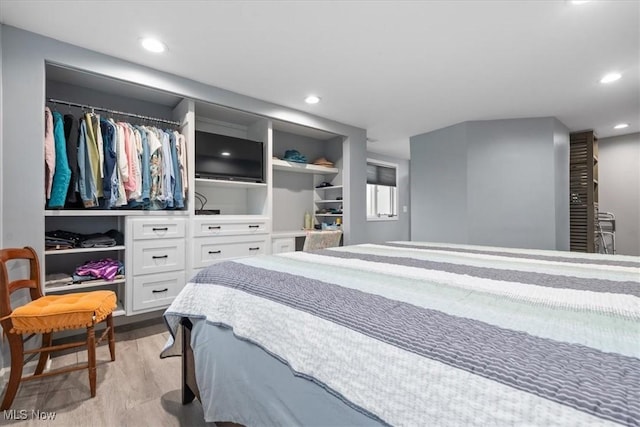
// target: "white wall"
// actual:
[[619, 188], [384, 231], [495, 182]]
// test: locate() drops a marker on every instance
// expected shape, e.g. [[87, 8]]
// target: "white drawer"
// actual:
[[156, 290], [157, 256], [218, 227], [283, 244], [160, 228], [209, 251]]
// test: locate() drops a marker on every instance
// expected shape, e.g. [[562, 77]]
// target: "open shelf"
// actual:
[[328, 214], [332, 187], [229, 184], [83, 250], [84, 285], [283, 165], [330, 201], [113, 212]]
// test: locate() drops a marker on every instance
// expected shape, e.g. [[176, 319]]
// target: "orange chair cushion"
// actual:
[[59, 312]]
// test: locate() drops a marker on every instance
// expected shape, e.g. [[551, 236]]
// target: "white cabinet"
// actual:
[[281, 245], [219, 238], [157, 259]]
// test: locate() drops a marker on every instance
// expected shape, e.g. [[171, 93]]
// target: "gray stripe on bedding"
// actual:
[[533, 278], [615, 263], [599, 383]]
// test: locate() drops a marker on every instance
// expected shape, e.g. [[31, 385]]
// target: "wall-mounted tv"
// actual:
[[228, 158]]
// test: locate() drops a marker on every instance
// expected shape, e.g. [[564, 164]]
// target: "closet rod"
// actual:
[[108, 110]]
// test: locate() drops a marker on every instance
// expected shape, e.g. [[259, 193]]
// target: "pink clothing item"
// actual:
[[49, 152], [130, 151]]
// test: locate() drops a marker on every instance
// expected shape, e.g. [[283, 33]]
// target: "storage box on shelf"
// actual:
[[217, 238], [156, 256]]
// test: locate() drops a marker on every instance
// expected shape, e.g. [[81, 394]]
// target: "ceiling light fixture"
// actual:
[[153, 45], [579, 1], [621, 126], [312, 99], [225, 153], [611, 77]]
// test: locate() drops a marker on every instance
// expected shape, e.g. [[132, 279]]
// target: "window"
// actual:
[[382, 194]]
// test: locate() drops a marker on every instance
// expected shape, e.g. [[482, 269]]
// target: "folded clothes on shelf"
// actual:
[[62, 239], [106, 269], [57, 279]]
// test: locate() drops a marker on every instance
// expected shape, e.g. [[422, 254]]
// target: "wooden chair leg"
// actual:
[[46, 342], [91, 356], [17, 361], [112, 337]]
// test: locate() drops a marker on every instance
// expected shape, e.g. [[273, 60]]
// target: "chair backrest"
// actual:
[[8, 287], [316, 240]]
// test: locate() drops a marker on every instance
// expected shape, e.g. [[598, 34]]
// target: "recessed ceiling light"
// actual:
[[225, 153], [611, 77], [312, 99], [153, 45], [579, 1], [621, 126]]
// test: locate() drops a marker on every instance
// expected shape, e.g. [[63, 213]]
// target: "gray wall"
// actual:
[[496, 182], [619, 188], [384, 231]]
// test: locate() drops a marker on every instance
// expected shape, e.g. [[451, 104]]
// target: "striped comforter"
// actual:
[[434, 334]]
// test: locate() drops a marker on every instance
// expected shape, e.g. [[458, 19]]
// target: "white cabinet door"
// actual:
[[283, 244]]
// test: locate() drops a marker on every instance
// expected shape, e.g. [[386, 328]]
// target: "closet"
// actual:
[[87, 98]]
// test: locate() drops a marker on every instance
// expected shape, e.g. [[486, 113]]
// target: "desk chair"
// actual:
[[45, 315], [316, 240]]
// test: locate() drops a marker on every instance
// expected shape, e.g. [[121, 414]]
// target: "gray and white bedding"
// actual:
[[431, 334]]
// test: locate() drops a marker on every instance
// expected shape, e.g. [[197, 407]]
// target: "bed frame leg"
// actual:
[[189, 385]]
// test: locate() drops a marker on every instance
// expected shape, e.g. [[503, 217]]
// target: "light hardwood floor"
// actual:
[[138, 389]]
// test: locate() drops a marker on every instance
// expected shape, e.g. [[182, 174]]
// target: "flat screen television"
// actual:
[[228, 158]]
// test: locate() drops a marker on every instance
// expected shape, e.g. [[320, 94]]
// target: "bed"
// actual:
[[411, 333]]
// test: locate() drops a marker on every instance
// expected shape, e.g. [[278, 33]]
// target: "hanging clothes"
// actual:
[[62, 174], [71, 136], [113, 165], [49, 152], [86, 177]]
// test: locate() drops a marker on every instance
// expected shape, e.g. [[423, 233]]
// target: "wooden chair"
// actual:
[[45, 315], [316, 240]]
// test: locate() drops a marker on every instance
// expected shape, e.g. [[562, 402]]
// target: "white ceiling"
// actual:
[[395, 68]]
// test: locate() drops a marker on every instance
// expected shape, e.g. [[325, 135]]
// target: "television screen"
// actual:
[[226, 157]]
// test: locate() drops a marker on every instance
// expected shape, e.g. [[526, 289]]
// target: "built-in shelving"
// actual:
[[283, 165], [83, 285], [229, 184], [114, 212], [332, 187], [329, 201], [328, 214], [83, 250]]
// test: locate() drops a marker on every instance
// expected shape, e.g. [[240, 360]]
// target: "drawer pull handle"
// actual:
[[254, 226], [159, 291], [160, 256], [160, 228], [214, 227], [257, 248], [215, 252]]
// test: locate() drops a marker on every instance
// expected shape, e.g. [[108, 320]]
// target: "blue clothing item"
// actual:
[[294, 156], [146, 170], [86, 183], [168, 178], [177, 191], [108, 130], [62, 175]]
